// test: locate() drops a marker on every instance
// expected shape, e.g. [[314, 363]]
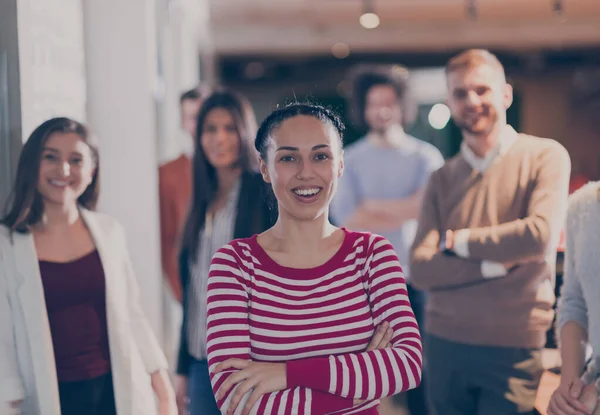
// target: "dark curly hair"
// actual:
[[364, 77]]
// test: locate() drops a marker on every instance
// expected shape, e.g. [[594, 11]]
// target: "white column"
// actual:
[[121, 62], [183, 35], [51, 61]]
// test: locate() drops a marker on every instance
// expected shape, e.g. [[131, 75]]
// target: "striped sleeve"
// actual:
[[378, 373], [228, 336]]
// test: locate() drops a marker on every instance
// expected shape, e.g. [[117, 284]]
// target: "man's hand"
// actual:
[[263, 378]]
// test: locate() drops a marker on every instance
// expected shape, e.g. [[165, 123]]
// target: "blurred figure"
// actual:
[[578, 316], [175, 189], [486, 249], [386, 173], [227, 202], [74, 338]]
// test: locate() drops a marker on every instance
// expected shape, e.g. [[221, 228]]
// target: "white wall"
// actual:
[[121, 62], [51, 60]]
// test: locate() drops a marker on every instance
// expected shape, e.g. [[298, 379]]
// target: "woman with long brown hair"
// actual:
[[227, 202], [74, 338]]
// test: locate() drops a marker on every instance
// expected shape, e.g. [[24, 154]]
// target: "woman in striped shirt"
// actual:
[[292, 311]]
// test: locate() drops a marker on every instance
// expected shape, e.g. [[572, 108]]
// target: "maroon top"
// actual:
[[76, 304]]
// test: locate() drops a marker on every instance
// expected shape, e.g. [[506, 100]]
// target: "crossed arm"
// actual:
[[486, 252], [318, 385]]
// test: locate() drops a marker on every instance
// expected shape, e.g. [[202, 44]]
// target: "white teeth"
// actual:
[[58, 183], [306, 192]]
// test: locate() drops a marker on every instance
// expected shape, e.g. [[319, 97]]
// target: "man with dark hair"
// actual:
[[386, 172], [175, 188], [485, 250]]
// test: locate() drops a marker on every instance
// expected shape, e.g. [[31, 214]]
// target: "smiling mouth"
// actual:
[[59, 183], [307, 192]]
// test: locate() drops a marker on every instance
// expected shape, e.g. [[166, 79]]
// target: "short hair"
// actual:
[[472, 58], [195, 94], [365, 77]]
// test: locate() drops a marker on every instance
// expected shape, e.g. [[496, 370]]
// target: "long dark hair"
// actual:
[[25, 206], [205, 180]]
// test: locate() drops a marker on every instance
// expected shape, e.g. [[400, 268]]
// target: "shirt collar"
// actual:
[[507, 138]]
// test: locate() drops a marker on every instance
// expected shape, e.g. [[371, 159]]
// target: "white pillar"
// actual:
[[51, 61], [121, 62], [183, 35]]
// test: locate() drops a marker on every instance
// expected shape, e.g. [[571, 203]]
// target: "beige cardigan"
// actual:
[[27, 369]]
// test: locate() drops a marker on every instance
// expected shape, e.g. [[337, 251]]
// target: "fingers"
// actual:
[[231, 364], [387, 339], [576, 388], [378, 336], [239, 393], [231, 381], [561, 404], [254, 397]]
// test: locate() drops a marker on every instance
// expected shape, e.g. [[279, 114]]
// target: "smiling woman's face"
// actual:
[[304, 162]]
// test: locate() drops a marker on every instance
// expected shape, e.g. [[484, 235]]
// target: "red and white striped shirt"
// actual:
[[319, 321]]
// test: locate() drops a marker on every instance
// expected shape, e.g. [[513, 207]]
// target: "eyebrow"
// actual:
[[54, 150], [317, 147]]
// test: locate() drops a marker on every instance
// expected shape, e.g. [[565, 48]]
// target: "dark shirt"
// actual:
[[76, 303]]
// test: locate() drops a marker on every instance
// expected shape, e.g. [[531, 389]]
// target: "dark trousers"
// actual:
[[89, 397], [417, 398], [202, 398], [481, 380]]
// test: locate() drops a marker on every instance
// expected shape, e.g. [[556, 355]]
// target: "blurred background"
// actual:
[[120, 66]]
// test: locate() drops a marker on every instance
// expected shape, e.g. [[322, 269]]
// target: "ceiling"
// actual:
[[308, 27]]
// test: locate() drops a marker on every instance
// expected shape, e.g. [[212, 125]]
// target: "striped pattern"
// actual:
[[319, 321], [217, 231]]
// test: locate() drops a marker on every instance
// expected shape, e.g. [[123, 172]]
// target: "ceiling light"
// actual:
[[340, 50], [369, 19]]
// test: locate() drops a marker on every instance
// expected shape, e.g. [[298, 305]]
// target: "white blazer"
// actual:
[[27, 368]]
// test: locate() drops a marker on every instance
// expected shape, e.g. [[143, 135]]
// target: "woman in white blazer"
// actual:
[[73, 336]]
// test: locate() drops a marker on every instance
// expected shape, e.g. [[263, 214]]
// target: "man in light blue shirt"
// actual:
[[386, 173]]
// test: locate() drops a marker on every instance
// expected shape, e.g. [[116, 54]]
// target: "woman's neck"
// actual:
[[295, 235], [58, 217], [227, 178]]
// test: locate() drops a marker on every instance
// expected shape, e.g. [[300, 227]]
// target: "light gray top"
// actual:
[[580, 294], [217, 232]]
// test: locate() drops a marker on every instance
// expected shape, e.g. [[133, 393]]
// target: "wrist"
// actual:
[[570, 375], [161, 386]]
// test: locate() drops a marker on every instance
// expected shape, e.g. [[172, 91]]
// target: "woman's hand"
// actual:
[[589, 397], [181, 394], [381, 337], [271, 377], [262, 377], [164, 393], [566, 398]]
